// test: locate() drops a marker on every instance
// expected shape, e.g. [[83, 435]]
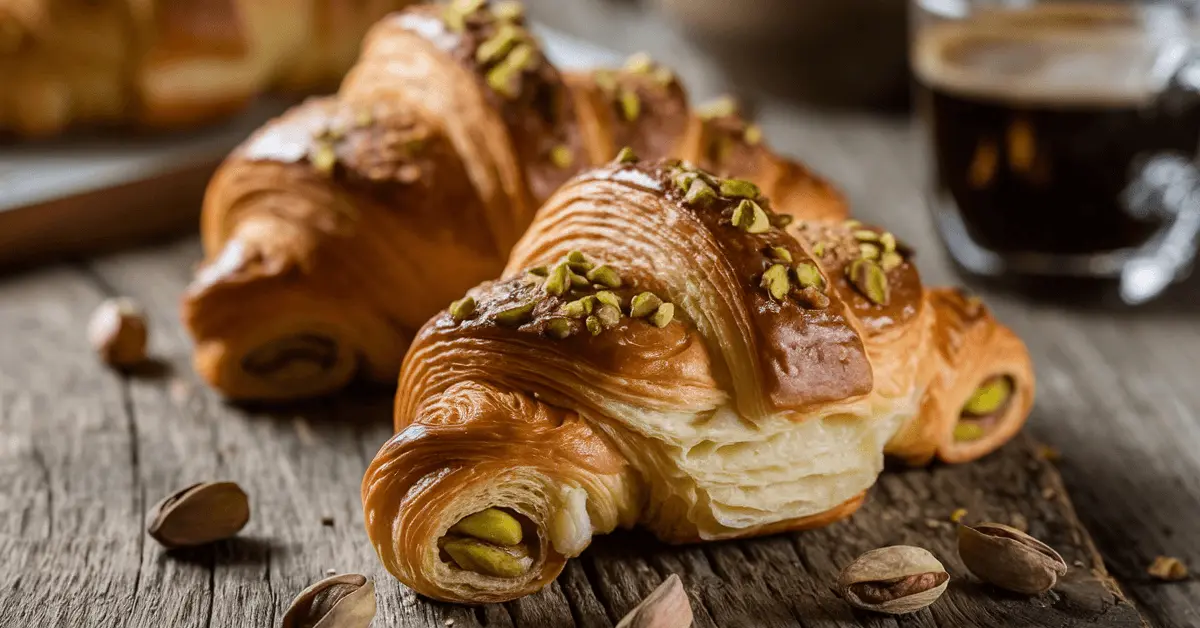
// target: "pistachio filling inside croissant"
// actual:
[[488, 542], [292, 358], [984, 408]]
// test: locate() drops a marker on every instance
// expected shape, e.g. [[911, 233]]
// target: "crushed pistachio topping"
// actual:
[[604, 275], [539, 271], [888, 241], [720, 108], [579, 307], [752, 135], [455, 14], [605, 80], [644, 304], [890, 260], [559, 328], [462, 308], [626, 156], [503, 80], [750, 217], [775, 281], [852, 224], [631, 105], [514, 316], [819, 249], [780, 253], [495, 47], [608, 316], [558, 281], [699, 193], [813, 298], [808, 276], [739, 188], [869, 250], [663, 315], [508, 11], [664, 76], [782, 220], [639, 63], [866, 235], [561, 157], [322, 157], [594, 325], [609, 298], [578, 262], [363, 118], [870, 280]]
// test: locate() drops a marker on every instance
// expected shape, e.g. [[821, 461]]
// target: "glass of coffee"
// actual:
[[1062, 136]]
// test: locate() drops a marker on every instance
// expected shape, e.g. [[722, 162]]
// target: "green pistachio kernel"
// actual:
[[869, 279], [644, 304], [868, 250], [577, 280], [739, 188], [890, 260], [322, 157], [514, 316], [888, 241], [577, 257], [780, 253], [989, 397], [699, 193], [503, 80], [561, 157], [462, 308], [578, 262], [604, 275], [866, 235], [626, 156], [608, 315], [631, 105], [495, 47], [609, 298], [684, 179], [852, 224], [482, 557], [639, 63], [559, 328], [492, 525], [808, 276], [579, 307], [720, 108], [968, 431], [540, 271], [605, 80], [753, 134], [775, 280], [523, 57], [664, 76], [558, 281], [593, 325], [819, 249], [663, 315], [782, 220], [508, 11], [750, 217]]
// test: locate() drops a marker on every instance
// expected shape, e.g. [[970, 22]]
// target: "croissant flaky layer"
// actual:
[[666, 349], [338, 229]]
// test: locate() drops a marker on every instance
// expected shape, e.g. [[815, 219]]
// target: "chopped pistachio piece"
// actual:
[[989, 397], [968, 431], [808, 276], [684, 180], [577, 280], [781, 253], [775, 280], [523, 57], [644, 304], [514, 316], [604, 275], [593, 325], [663, 315], [852, 224], [782, 220], [503, 80], [462, 308], [576, 257], [700, 193], [890, 260], [819, 249], [540, 271], [578, 262], [467, 7], [866, 235], [455, 20], [631, 105], [495, 47], [558, 281], [492, 525], [482, 557], [753, 134], [322, 157], [626, 156], [559, 328], [608, 315], [888, 241], [869, 279], [814, 298], [363, 118], [639, 63], [609, 298], [508, 10], [750, 217], [868, 250], [664, 76], [719, 108], [561, 157], [579, 307], [605, 80], [739, 188]]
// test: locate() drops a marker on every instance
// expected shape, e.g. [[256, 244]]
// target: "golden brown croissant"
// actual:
[[167, 63], [665, 351], [337, 230]]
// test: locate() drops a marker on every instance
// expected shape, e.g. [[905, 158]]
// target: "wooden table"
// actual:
[[84, 452]]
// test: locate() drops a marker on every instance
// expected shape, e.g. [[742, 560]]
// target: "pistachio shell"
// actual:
[[1009, 558], [558, 281], [989, 397], [604, 275], [199, 514], [739, 188], [895, 580], [644, 304], [492, 525], [594, 326], [626, 156], [750, 217], [808, 276], [339, 601], [485, 558], [775, 280], [663, 315], [462, 308], [559, 328], [514, 316], [699, 193], [870, 280]]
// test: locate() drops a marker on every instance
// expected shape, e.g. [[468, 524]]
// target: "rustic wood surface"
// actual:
[[84, 452]]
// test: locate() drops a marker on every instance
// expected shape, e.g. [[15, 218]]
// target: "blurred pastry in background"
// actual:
[[166, 64]]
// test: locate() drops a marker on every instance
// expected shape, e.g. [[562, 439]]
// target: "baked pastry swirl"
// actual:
[[337, 230], [665, 349], [167, 64]]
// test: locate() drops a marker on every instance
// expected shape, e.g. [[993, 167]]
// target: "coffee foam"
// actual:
[[1085, 55]]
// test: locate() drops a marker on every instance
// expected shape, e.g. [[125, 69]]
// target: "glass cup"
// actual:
[[1062, 136]]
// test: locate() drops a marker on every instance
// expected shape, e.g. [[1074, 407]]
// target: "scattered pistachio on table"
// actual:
[[345, 601], [117, 331], [1167, 568], [1009, 558], [895, 580], [199, 514], [667, 606]]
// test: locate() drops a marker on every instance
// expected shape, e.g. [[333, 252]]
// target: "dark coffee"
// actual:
[[1037, 126]]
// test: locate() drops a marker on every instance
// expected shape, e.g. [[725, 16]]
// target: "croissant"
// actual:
[[665, 350], [167, 63], [337, 230]]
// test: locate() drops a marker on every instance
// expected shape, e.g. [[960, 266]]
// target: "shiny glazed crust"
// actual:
[[338, 229], [744, 414]]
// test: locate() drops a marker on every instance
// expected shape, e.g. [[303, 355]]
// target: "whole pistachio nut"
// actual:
[[345, 601], [199, 514], [1009, 558], [492, 525], [895, 580]]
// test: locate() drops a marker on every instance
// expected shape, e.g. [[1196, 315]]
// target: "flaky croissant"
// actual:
[[336, 231], [167, 63], [665, 351]]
